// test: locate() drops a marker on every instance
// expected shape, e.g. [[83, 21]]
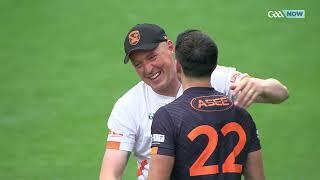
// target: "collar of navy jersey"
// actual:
[[199, 89], [179, 93]]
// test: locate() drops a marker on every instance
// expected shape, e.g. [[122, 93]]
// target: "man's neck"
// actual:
[[171, 90], [195, 82]]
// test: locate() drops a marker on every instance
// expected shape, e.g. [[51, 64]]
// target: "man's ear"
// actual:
[[171, 45]]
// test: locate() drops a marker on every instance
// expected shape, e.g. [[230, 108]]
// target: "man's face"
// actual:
[[156, 67]]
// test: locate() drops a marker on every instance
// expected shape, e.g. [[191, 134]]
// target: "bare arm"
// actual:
[[161, 167], [254, 167], [273, 92], [113, 164], [259, 90]]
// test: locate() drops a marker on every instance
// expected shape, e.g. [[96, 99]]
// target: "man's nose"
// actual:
[[148, 68]]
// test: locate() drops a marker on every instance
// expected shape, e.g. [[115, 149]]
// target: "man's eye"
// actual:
[[137, 65], [153, 57]]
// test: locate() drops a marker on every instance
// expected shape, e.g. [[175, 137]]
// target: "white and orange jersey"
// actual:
[[222, 77], [130, 120]]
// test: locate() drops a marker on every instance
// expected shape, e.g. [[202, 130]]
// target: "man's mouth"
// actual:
[[153, 77]]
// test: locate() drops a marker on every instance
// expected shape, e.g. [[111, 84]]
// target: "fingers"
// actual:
[[237, 87], [250, 90], [250, 101], [246, 95], [233, 86], [241, 90]]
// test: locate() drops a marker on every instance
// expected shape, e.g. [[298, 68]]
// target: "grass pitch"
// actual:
[[61, 71]]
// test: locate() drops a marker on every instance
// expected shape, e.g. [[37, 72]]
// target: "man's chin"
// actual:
[[156, 84], [157, 87]]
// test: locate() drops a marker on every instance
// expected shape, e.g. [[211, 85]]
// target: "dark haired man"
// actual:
[[202, 135], [151, 53]]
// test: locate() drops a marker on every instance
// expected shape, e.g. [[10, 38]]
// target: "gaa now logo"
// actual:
[[287, 14]]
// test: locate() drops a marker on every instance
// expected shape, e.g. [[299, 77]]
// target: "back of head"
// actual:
[[197, 53]]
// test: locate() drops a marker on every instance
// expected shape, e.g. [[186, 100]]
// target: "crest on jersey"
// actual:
[[150, 116], [211, 103]]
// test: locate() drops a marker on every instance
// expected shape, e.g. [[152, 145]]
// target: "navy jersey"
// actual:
[[209, 137]]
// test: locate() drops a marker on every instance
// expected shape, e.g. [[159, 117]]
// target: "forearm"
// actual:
[[161, 167], [253, 169], [109, 173], [106, 176], [113, 164], [273, 92]]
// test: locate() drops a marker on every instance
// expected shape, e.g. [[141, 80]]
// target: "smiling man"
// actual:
[[152, 56]]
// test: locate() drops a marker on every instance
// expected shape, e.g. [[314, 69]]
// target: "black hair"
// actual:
[[197, 53]]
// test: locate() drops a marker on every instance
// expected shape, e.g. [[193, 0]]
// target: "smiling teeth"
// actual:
[[155, 76]]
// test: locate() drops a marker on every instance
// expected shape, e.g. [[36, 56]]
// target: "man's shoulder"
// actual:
[[133, 97], [166, 110], [174, 104], [240, 110], [223, 69], [176, 108], [133, 100], [129, 107], [242, 115]]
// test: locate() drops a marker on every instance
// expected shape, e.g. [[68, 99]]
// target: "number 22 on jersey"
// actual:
[[229, 165]]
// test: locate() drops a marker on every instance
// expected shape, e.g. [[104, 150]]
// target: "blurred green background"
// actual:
[[61, 71]]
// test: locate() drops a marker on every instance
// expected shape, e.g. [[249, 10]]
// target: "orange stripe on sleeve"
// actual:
[[113, 145], [154, 150]]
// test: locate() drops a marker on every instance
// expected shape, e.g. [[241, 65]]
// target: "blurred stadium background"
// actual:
[[61, 71]]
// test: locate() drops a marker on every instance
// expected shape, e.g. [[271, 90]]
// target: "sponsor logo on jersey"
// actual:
[[158, 138], [211, 103]]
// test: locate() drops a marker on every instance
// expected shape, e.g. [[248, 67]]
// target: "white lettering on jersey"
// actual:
[[158, 138]]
